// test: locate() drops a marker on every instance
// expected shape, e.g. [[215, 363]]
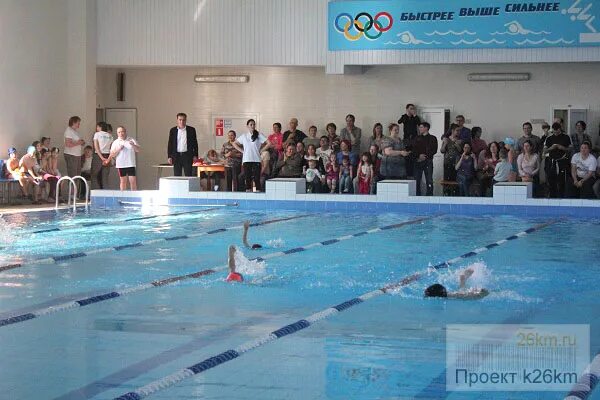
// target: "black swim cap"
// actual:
[[436, 290], [256, 246]]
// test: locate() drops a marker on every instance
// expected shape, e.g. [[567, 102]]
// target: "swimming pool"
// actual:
[[391, 346]]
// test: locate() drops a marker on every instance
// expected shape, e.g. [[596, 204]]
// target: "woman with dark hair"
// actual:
[[334, 140], [486, 166], [451, 149], [528, 163], [233, 160], [251, 143], [477, 143], [465, 170], [378, 136], [311, 153], [100, 167], [276, 140], [579, 136]]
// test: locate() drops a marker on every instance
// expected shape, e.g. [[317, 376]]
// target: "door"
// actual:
[[437, 119], [570, 115], [125, 117]]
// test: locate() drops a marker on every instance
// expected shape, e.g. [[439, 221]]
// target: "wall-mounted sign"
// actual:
[[219, 127], [440, 24]]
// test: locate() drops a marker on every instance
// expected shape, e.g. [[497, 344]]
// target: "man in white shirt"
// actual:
[[182, 149], [73, 147], [123, 150], [583, 171]]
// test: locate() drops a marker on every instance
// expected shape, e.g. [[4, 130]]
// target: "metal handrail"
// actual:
[[71, 185], [87, 190]]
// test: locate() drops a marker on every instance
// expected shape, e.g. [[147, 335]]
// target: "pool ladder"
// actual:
[[73, 192]]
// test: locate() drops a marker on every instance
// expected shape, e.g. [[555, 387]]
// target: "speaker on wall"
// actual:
[[121, 86]]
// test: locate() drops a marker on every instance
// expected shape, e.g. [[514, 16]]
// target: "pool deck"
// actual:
[[392, 196]]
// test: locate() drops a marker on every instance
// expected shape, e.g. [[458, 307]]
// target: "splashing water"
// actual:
[[248, 267], [276, 243], [479, 280]]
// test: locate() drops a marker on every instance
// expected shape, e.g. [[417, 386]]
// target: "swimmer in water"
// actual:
[[438, 290], [255, 246], [233, 275]]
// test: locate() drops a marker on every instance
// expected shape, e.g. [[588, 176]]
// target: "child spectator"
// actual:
[[346, 175], [28, 166], [376, 161], [365, 174], [48, 176], [212, 158], [503, 168], [332, 172], [509, 145], [14, 171], [313, 176], [86, 162]]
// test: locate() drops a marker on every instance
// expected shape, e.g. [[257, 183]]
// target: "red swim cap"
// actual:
[[234, 276]]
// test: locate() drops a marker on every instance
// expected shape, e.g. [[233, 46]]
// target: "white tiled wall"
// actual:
[[388, 192], [179, 186], [276, 94]]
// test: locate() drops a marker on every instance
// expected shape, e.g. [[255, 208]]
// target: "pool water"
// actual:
[[391, 347]]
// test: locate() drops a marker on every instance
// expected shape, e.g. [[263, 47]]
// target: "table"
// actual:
[[209, 169], [159, 168]]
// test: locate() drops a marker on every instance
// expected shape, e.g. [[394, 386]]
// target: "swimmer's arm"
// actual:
[[466, 274], [469, 295], [245, 234], [231, 259]]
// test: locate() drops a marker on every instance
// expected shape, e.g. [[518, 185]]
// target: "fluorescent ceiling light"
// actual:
[[499, 77], [221, 78]]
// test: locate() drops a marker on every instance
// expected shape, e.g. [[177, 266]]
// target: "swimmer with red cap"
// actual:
[[233, 275], [255, 246]]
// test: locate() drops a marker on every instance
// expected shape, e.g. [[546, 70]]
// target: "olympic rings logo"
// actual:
[[362, 24]]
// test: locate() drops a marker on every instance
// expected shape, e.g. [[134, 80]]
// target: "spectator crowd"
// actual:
[[558, 165]]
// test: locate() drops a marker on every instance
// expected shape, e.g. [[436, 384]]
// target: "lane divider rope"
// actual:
[[66, 257], [112, 222], [587, 381], [228, 355], [73, 304]]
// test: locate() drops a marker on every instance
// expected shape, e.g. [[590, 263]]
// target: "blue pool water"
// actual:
[[391, 347]]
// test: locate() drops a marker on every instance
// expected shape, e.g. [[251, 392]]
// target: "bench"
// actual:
[[5, 189]]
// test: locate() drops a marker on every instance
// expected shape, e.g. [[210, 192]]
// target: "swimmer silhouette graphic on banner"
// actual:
[[437, 24]]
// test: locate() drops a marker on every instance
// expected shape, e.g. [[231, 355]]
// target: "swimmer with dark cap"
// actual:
[[438, 290], [233, 275], [255, 246]]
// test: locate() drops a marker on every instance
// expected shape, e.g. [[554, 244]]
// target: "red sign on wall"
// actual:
[[218, 127]]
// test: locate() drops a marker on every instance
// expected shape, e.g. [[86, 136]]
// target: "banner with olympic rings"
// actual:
[[440, 24]]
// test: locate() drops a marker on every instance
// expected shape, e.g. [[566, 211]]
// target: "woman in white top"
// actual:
[[123, 150], [100, 165], [528, 163], [73, 147], [250, 143]]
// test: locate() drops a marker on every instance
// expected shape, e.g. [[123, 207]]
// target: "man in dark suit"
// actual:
[[183, 146]]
